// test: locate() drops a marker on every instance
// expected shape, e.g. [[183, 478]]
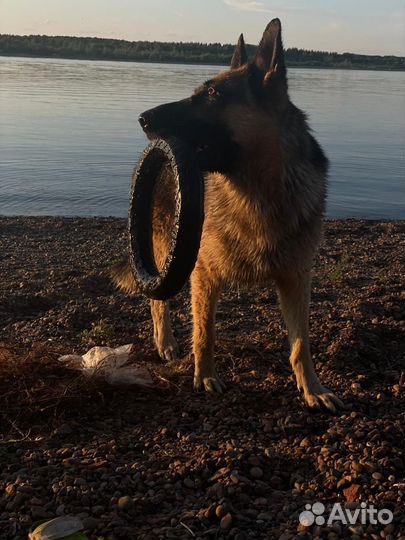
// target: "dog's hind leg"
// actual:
[[165, 343], [204, 298], [294, 295]]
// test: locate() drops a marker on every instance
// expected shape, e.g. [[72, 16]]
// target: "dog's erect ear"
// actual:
[[269, 57], [239, 56]]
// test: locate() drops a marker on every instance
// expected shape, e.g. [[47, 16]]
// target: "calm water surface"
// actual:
[[69, 136]]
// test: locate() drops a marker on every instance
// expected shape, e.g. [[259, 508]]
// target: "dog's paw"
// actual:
[[167, 349], [211, 383], [321, 398]]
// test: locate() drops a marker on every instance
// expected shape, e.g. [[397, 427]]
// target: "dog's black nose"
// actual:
[[143, 121]]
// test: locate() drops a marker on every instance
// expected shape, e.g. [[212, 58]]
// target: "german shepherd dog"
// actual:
[[264, 205]]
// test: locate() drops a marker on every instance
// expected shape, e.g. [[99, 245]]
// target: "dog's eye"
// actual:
[[212, 92]]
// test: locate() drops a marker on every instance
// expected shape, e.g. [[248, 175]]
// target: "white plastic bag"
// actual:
[[61, 527], [110, 364]]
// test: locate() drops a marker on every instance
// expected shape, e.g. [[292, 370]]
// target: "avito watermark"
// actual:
[[365, 515]]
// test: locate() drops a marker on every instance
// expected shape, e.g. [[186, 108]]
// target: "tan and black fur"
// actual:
[[263, 206]]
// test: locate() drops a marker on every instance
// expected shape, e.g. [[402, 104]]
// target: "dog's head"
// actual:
[[230, 111]]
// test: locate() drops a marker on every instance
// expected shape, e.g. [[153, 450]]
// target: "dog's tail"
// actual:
[[123, 277]]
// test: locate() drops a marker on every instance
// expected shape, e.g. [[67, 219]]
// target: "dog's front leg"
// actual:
[[165, 343], [294, 295], [205, 291]]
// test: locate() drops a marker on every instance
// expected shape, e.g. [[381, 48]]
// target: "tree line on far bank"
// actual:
[[193, 53]]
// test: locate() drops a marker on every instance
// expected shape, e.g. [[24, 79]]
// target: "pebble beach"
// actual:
[[169, 463]]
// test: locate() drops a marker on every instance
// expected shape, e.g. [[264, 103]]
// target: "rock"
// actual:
[[305, 442], [220, 511], [90, 523], [63, 429], [97, 510], [352, 492], [369, 467], [80, 482], [16, 502], [188, 483], [125, 503], [357, 467], [256, 472], [25, 489], [10, 490], [302, 528], [275, 482], [39, 512], [265, 516], [234, 478], [344, 481], [226, 521], [356, 529], [60, 510]]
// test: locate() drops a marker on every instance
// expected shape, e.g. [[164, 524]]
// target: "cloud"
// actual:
[[332, 27], [258, 7], [248, 5]]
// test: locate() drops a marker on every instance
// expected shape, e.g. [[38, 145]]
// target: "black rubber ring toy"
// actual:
[[187, 220]]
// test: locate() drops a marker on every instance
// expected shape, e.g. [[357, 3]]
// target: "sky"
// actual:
[[360, 26]]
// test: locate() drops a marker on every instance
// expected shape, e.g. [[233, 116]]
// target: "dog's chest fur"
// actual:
[[253, 230]]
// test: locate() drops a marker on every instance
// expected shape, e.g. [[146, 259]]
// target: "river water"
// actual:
[[69, 135]]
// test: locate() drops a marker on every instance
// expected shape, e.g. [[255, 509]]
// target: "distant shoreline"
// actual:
[[188, 53], [192, 63]]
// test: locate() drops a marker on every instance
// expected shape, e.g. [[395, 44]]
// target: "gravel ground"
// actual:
[[169, 463]]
